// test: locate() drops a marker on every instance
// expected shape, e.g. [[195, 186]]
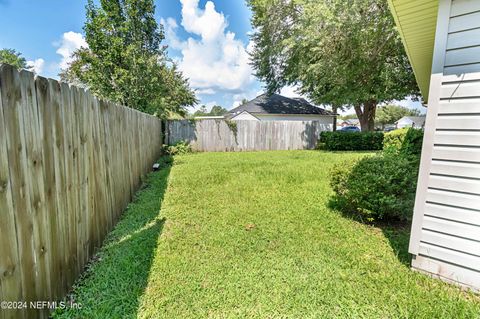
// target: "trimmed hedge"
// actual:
[[380, 187], [351, 141], [407, 141]]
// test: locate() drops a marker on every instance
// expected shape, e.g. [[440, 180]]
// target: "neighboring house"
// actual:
[[442, 40], [347, 123], [280, 108], [350, 122], [411, 121]]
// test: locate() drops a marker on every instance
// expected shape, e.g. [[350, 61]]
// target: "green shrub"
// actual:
[[381, 187], [407, 141], [351, 141], [179, 148]]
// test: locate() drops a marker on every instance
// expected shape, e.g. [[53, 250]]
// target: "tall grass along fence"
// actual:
[[221, 135], [69, 165]]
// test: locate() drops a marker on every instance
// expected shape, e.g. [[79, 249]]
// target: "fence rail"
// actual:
[[221, 135], [69, 165]]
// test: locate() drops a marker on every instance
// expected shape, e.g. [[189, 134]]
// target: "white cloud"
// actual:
[[208, 23], [37, 65], [71, 41], [214, 61], [206, 92], [170, 26]]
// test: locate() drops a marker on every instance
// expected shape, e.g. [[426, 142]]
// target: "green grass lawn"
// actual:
[[250, 235]]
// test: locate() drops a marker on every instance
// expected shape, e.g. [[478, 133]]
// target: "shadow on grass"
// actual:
[[399, 237], [116, 278], [397, 232]]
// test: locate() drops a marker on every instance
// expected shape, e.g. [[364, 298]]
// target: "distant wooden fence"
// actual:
[[221, 136], [69, 165]]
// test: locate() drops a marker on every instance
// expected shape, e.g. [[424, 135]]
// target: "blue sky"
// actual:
[[208, 39]]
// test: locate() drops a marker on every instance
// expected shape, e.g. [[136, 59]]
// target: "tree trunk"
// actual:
[[366, 115]]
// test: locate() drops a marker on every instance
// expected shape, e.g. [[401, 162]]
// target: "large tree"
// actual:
[[339, 52], [202, 111], [125, 60], [217, 110], [12, 57]]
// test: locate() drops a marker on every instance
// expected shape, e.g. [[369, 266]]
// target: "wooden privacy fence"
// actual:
[[69, 165], [221, 135]]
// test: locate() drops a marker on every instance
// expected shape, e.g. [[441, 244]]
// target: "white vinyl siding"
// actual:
[[328, 120], [446, 229]]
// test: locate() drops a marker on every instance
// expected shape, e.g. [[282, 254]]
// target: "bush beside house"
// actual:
[[381, 187], [407, 141]]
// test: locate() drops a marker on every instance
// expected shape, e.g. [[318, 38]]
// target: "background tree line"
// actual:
[[12, 57], [216, 110], [387, 114]]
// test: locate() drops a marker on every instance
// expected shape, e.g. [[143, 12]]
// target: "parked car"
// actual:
[[349, 129], [389, 128]]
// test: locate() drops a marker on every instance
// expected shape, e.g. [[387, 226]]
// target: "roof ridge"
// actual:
[[279, 104]]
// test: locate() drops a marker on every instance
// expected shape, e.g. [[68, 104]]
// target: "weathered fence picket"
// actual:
[[69, 165], [221, 136]]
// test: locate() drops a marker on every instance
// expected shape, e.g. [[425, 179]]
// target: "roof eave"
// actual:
[[416, 22]]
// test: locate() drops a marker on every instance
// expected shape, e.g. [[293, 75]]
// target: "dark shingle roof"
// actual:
[[277, 104]]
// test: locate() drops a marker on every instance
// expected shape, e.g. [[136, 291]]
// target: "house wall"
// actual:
[[445, 239], [286, 117], [404, 123], [245, 116], [322, 119]]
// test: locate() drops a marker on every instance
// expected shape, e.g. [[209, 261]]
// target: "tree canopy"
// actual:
[[202, 111], [338, 52], [216, 110], [12, 57], [125, 60]]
